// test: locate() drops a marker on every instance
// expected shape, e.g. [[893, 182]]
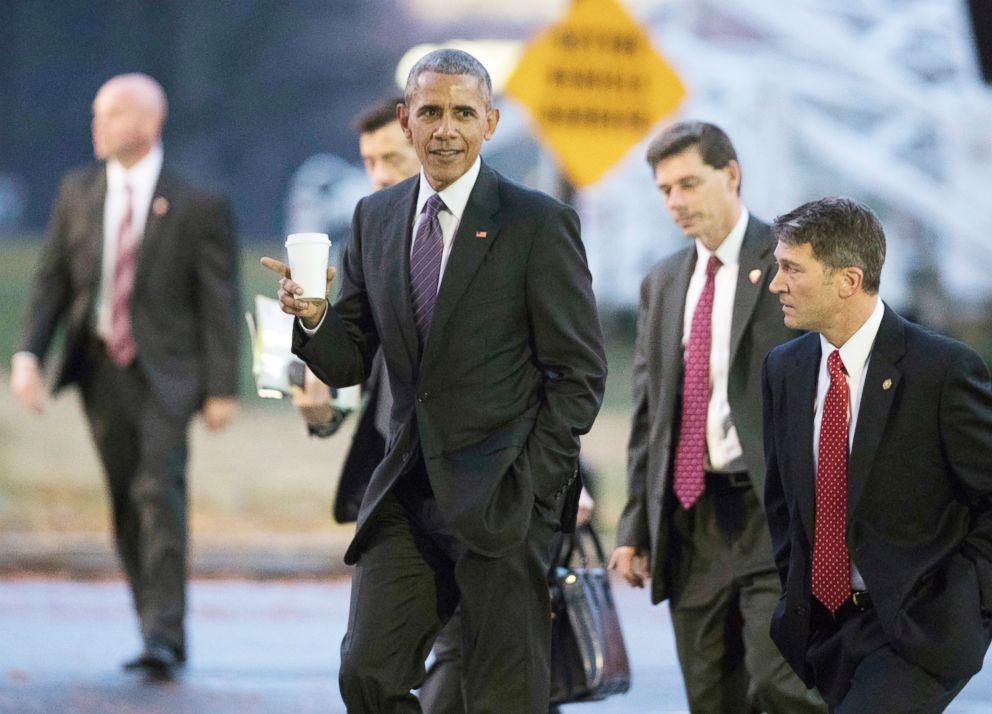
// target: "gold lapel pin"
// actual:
[[754, 276], [887, 384], [160, 206], [481, 234]]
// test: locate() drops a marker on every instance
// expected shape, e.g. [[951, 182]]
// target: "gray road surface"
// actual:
[[258, 647]]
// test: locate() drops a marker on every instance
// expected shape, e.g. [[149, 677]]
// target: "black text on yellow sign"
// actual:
[[594, 85]]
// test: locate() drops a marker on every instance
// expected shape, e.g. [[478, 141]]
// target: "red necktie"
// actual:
[[831, 563], [690, 454], [120, 344]]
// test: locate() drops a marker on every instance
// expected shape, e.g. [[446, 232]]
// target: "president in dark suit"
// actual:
[[693, 518], [478, 292], [878, 439], [141, 270]]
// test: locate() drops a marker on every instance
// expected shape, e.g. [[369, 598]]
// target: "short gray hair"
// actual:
[[450, 61], [841, 233]]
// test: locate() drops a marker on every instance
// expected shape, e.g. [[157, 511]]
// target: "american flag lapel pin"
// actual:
[[481, 234]]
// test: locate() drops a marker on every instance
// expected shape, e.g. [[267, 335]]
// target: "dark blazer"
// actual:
[[513, 370], [756, 327], [185, 311], [919, 504]]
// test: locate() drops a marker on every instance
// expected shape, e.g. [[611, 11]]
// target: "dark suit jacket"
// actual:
[[919, 503], [185, 308], [513, 370], [756, 327]]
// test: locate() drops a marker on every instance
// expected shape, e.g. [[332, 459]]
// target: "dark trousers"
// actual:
[[143, 448], [856, 669], [726, 588], [410, 576]]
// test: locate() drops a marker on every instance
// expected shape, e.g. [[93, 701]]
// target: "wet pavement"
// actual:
[[258, 647]]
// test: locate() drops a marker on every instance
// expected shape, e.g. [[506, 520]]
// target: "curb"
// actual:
[[262, 556]]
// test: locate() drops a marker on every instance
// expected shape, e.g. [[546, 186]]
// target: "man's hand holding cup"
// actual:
[[303, 286]]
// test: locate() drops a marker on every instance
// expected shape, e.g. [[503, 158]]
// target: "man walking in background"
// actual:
[[878, 437], [693, 519], [141, 269], [478, 292]]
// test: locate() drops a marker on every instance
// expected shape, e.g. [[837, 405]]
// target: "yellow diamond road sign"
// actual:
[[595, 86]]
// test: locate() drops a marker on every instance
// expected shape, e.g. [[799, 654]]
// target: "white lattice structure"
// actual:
[[877, 99]]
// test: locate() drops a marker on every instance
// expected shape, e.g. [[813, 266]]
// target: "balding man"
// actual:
[[140, 269]]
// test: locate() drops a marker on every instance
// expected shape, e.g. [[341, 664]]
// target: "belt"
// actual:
[[860, 600], [857, 603], [732, 479]]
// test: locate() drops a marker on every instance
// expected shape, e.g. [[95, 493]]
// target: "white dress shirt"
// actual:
[[455, 199], [142, 178], [723, 446], [855, 354]]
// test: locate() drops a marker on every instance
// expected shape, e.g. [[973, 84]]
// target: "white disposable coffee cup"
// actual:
[[308, 254]]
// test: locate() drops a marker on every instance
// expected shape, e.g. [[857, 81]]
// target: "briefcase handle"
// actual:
[[578, 543]]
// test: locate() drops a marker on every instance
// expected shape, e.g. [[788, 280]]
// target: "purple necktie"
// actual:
[[425, 267], [690, 453]]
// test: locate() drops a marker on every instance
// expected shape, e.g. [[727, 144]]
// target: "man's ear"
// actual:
[[734, 174], [403, 116], [852, 281], [492, 119]]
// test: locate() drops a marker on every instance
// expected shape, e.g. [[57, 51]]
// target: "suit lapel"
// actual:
[[163, 198], [476, 232], [753, 256], [397, 234], [880, 388], [803, 374], [667, 321], [95, 201]]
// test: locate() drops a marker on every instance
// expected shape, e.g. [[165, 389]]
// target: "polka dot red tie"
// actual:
[[831, 563], [690, 453]]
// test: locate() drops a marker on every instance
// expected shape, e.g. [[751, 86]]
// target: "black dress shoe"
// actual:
[[161, 663], [158, 661]]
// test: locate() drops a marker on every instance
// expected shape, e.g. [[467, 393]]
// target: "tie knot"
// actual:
[[433, 206], [712, 266], [835, 365]]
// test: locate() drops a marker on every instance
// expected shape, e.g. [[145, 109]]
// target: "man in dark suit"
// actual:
[[878, 439], [706, 323], [483, 308], [141, 269]]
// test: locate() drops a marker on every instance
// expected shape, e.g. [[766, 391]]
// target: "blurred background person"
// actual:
[[141, 269], [389, 158], [693, 519]]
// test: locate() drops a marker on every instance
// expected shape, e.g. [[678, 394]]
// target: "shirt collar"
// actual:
[[456, 195], [855, 352], [143, 173], [729, 251]]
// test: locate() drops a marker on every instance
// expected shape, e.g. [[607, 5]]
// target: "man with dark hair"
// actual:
[[879, 498], [478, 292], [693, 519], [141, 269]]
